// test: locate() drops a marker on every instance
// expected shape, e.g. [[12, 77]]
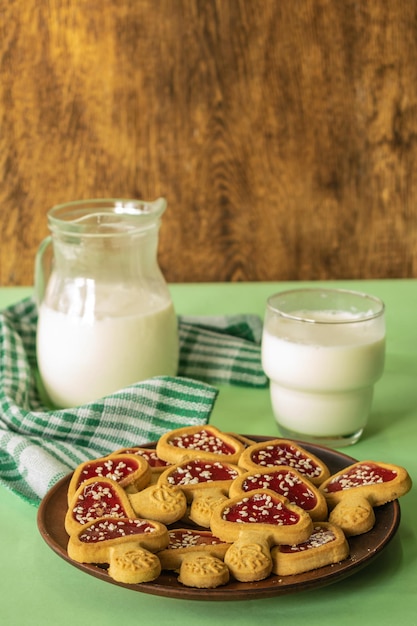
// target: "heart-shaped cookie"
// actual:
[[288, 483], [96, 498], [275, 452], [254, 523], [354, 491], [206, 442], [126, 545], [131, 472]]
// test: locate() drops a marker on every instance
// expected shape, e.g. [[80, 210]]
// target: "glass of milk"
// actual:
[[105, 315], [323, 351]]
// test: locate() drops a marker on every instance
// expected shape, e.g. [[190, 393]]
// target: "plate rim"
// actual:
[[52, 527]]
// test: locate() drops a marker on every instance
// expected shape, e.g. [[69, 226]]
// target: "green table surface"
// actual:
[[38, 587]]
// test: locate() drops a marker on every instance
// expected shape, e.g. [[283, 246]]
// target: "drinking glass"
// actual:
[[323, 350]]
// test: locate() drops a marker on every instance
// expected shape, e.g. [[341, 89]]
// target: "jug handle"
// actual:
[[42, 270]]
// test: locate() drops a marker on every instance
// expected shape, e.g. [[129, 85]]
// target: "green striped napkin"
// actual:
[[222, 350], [38, 446]]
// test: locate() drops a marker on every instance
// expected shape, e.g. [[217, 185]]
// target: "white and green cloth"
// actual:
[[38, 446]]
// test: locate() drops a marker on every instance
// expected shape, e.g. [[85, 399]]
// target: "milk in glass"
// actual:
[[322, 371]]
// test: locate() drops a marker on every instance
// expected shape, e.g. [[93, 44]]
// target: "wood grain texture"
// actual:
[[283, 133]]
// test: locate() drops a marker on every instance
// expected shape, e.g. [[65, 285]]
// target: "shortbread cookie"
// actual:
[[203, 571], [288, 483], [254, 523], [192, 442], [96, 498], [377, 482], [198, 556], [126, 545], [131, 472], [204, 482], [354, 516], [156, 464], [326, 545], [276, 452], [131, 565], [162, 502], [356, 489]]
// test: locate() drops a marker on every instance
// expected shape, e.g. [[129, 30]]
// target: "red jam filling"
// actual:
[[361, 475], [97, 500], [114, 468], [114, 529], [287, 484], [319, 537], [194, 472], [260, 508], [191, 538], [204, 440], [286, 454]]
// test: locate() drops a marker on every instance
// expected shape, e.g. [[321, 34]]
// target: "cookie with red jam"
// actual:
[[131, 472], [326, 545], [277, 452], [288, 483], [378, 482], [253, 523], [202, 442], [352, 493], [126, 545], [96, 498]]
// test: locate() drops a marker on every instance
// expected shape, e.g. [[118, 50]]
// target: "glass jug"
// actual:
[[105, 314]]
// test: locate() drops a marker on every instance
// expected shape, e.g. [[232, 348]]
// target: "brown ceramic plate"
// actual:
[[363, 549]]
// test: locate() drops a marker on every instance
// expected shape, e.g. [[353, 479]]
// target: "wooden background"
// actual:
[[282, 132]]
